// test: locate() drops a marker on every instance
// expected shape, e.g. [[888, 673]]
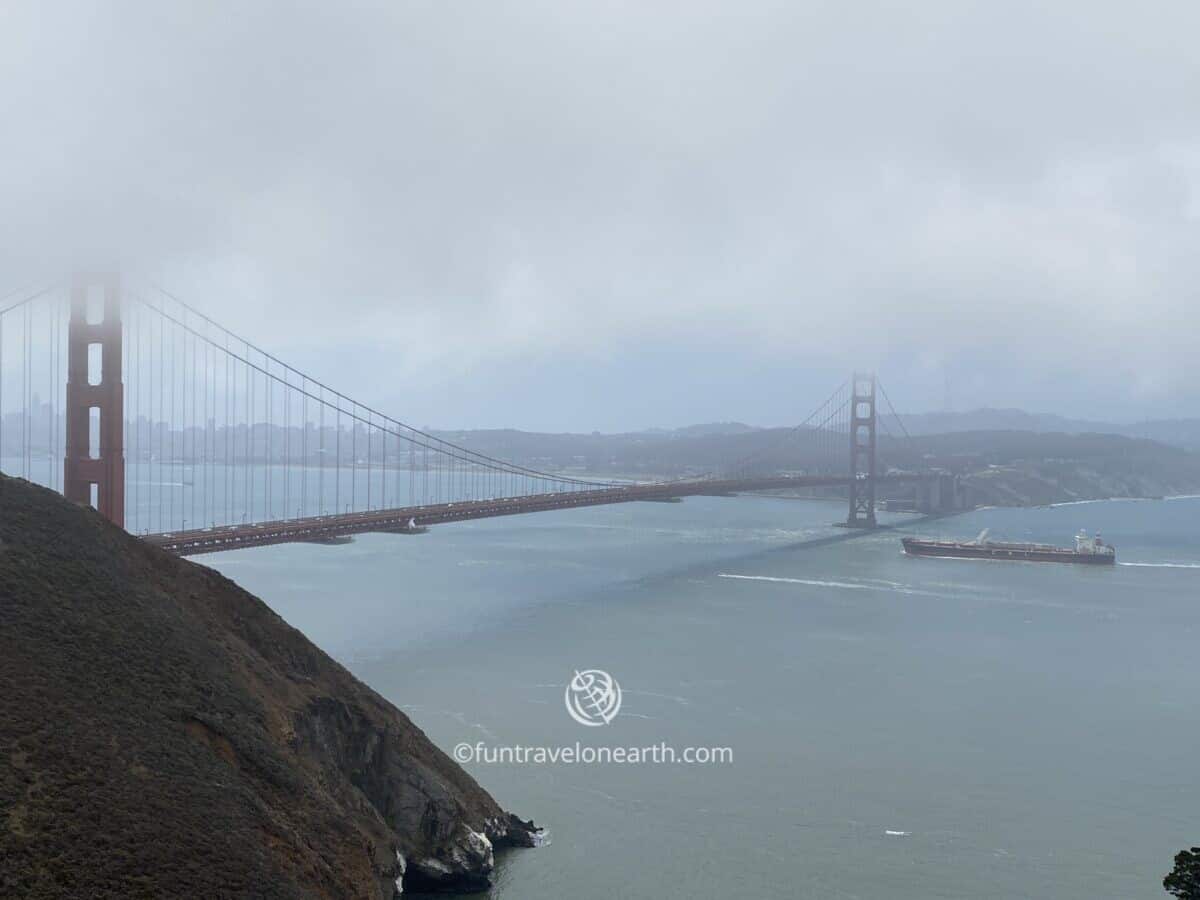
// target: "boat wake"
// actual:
[[809, 581], [1166, 565], [890, 587]]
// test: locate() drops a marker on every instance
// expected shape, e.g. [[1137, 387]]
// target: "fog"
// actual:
[[617, 215]]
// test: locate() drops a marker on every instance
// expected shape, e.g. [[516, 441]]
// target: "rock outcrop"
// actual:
[[164, 733]]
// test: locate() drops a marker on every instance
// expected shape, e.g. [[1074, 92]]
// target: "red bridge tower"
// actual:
[[102, 392], [862, 451]]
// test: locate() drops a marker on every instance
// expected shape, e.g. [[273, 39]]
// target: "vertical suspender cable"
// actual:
[[227, 459], [158, 506], [135, 374], [304, 446], [287, 447], [25, 392], [321, 452], [210, 435], [50, 403], [172, 475], [195, 429], [337, 451], [1, 391], [248, 502], [269, 505]]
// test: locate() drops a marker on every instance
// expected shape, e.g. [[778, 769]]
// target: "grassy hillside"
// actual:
[[165, 734]]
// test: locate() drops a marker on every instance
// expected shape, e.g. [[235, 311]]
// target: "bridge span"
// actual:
[[327, 529], [172, 426]]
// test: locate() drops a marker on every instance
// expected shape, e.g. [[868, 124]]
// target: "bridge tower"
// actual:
[[102, 391], [862, 451]]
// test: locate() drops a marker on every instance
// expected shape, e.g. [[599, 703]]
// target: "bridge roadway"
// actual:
[[328, 529]]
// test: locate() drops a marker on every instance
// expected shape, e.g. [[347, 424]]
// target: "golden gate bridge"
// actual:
[[127, 398]]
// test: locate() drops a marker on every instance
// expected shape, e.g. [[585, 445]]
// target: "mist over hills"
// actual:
[[690, 445], [1008, 457], [1183, 432], [1013, 457]]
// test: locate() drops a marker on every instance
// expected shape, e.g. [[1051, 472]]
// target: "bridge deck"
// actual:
[[326, 528]]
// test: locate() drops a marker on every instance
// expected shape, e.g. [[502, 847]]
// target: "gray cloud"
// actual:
[[548, 215]]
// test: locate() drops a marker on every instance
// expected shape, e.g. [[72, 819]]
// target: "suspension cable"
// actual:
[[338, 395], [438, 445]]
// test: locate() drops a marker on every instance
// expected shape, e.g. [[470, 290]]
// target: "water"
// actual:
[[901, 728], [163, 496]]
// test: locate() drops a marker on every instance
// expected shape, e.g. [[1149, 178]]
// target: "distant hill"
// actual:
[[1023, 468], [1007, 466], [713, 428], [163, 733], [1178, 432]]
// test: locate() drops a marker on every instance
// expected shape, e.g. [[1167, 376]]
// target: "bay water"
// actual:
[[899, 728]]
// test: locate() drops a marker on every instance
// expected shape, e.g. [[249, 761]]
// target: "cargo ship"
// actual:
[[1087, 549]]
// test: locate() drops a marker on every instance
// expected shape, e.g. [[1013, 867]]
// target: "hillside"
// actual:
[[1183, 433], [1021, 468], [1007, 467], [164, 734]]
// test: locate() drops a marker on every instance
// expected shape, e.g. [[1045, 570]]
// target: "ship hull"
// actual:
[[952, 550]]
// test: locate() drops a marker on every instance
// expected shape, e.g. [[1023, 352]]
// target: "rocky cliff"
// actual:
[[164, 733]]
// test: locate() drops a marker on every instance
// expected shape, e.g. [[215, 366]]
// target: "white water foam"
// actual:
[[809, 581], [1166, 565], [888, 587]]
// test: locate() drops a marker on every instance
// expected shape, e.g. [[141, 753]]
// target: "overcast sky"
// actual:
[[568, 215]]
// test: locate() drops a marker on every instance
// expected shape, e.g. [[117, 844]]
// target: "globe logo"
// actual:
[[593, 697]]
